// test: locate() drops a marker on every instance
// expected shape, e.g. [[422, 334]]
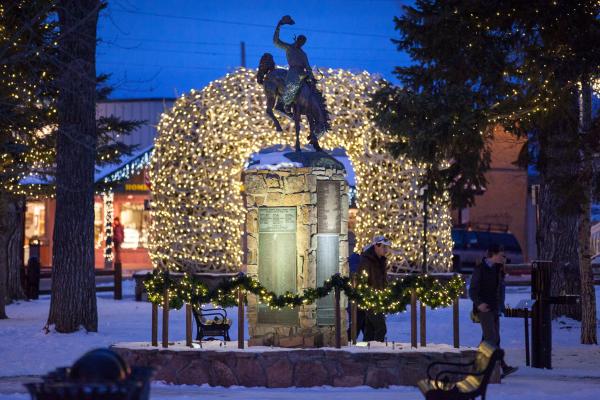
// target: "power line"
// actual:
[[236, 44], [206, 53], [134, 39], [239, 23], [211, 53], [134, 65]]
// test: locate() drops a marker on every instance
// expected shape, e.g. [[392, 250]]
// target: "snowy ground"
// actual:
[[26, 352]]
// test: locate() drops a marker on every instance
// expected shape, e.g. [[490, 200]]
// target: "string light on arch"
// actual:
[[205, 140]]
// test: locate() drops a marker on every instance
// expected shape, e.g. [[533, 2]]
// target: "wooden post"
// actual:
[[240, 318], [165, 320], [154, 324], [188, 325], [338, 318], [413, 318], [455, 323], [354, 315], [527, 360], [423, 329], [118, 294]]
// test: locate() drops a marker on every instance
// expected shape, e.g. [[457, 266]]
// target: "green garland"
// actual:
[[394, 298]]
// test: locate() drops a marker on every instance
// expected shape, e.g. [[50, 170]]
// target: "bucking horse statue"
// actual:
[[293, 91]]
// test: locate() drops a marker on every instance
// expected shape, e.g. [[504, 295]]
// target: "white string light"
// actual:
[[108, 207], [205, 140]]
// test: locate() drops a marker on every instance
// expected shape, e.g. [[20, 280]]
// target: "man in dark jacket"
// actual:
[[373, 262], [486, 291]]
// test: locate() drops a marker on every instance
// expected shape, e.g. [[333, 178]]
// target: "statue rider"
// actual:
[[299, 68]]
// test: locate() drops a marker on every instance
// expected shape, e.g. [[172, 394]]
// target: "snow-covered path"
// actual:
[[25, 350]]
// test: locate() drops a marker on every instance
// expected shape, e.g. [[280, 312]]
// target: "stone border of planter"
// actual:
[[276, 368]]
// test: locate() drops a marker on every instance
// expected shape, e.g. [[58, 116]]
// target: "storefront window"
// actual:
[[35, 224], [136, 222], [35, 220], [98, 226]]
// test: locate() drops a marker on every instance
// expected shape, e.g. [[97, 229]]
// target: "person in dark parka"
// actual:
[[487, 292], [374, 263]]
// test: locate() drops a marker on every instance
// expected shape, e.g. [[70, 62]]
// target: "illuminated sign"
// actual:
[[136, 187]]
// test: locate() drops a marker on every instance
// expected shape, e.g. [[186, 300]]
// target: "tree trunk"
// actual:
[[588, 294], [15, 250], [559, 224], [73, 300], [4, 204], [558, 244]]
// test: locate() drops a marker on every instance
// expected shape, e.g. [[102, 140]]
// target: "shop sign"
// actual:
[[136, 187]]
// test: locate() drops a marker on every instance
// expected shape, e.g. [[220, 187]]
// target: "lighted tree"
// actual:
[[524, 65], [26, 45], [29, 90], [206, 138]]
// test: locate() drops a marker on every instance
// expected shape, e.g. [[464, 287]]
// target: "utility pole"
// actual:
[[243, 54]]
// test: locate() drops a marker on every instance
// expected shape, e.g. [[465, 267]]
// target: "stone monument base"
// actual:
[[295, 337], [218, 365], [297, 237]]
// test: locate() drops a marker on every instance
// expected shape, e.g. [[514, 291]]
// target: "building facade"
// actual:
[[129, 201], [505, 204]]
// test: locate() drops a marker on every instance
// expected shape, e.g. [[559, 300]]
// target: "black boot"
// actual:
[[507, 370]]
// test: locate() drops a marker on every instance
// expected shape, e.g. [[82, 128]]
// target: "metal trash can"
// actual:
[[100, 374]]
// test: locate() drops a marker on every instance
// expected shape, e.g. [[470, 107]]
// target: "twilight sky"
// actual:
[[163, 48]]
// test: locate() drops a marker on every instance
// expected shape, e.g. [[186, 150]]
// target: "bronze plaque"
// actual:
[[328, 263], [277, 219], [328, 207], [277, 259]]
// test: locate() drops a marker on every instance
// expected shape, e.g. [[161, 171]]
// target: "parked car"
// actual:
[[470, 246]]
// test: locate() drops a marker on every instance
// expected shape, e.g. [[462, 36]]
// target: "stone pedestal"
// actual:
[[315, 200]]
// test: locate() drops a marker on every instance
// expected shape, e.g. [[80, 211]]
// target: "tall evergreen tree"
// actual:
[[519, 64], [26, 107], [73, 300], [28, 122]]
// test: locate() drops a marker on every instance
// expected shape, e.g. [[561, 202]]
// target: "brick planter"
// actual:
[[286, 368]]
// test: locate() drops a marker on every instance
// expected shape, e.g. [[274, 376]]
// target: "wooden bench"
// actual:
[[461, 380], [211, 323]]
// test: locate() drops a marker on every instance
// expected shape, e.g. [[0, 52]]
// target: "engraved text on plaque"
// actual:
[[328, 207], [277, 259]]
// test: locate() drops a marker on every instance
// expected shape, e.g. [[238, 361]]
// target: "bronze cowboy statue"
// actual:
[[293, 91]]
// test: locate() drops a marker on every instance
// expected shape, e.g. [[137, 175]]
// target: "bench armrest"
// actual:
[[454, 372], [213, 313], [446, 363], [220, 312]]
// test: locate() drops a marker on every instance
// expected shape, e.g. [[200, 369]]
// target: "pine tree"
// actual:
[[29, 121], [518, 64], [73, 299], [26, 48]]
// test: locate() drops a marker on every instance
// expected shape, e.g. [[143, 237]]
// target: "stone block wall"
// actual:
[[287, 368], [293, 187]]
